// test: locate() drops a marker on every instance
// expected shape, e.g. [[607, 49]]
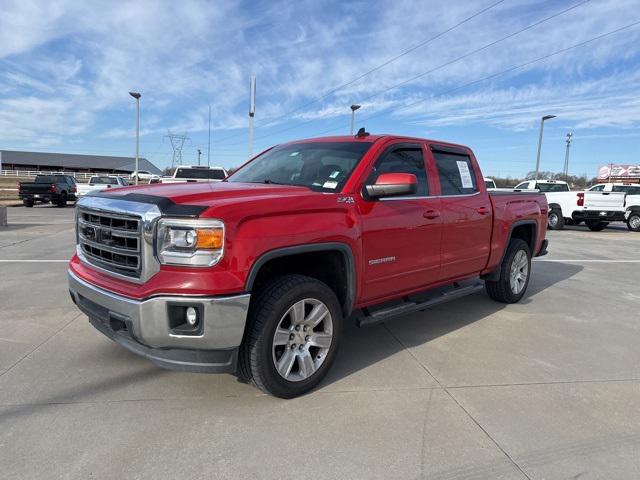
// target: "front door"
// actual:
[[400, 235]]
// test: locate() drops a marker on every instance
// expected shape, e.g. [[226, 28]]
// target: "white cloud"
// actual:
[[67, 65]]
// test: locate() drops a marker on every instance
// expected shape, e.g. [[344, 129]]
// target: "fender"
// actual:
[[343, 248], [495, 274]]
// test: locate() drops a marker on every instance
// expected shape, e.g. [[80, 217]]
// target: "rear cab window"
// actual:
[[456, 173], [552, 187]]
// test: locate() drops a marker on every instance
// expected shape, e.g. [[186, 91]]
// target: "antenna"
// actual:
[[177, 142]]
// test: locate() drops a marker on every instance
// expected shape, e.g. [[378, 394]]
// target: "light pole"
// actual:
[[353, 116], [546, 117], [199, 153], [566, 155], [137, 96]]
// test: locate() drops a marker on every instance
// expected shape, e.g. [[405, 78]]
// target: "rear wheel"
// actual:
[[27, 203], [555, 220], [633, 222], [596, 226], [515, 271], [292, 335], [62, 200]]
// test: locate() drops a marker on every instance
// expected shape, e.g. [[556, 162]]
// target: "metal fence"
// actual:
[[33, 173]]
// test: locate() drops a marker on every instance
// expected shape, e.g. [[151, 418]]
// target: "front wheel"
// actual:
[[515, 271], [633, 222], [596, 226], [555, 220], [292, 335]]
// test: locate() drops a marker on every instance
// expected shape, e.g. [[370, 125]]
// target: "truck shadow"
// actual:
[[362, 347]]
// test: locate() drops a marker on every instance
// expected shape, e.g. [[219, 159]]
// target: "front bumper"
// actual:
[[144, 326]]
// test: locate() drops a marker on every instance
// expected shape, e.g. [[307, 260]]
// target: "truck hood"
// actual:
[[215, 193]]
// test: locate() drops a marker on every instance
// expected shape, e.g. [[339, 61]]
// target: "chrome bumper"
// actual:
[[144, 327]]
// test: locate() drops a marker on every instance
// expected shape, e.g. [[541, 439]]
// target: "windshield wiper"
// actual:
[[271, 182]]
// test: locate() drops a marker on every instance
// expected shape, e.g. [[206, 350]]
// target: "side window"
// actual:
[[597, 188], [456, 173], [402, 160], [523, 185]]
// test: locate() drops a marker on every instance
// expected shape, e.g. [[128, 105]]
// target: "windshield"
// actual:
[[628, 189], [552, 187], [201, 173], [321, 166], [103, 181], [49, 179]]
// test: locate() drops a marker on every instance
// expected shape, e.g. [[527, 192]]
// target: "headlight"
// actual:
[[196, 243]]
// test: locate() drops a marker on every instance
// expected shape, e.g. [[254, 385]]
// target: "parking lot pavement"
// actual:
[[547, 388]]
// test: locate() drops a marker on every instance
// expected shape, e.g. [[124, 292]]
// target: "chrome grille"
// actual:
[[111, 241]]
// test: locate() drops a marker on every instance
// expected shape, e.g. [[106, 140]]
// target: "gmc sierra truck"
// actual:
[[255, 275]]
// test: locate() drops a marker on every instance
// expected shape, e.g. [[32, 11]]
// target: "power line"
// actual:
[[503, 72], [374, 69], [444, 65]]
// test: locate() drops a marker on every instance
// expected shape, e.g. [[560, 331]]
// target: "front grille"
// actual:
[[111, 241]]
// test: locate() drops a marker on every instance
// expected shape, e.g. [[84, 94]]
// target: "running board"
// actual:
[[442, 295]]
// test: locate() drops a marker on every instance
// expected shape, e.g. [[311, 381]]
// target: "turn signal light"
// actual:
[[209, 238]]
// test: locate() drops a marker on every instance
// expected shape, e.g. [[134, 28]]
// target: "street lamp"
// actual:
[[566, 155], [353, 115], [546, 117], [137, 96]]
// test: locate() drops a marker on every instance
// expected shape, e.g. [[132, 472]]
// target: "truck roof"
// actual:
[[373, 138]]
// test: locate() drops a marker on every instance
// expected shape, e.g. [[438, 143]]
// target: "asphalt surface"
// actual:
[[545, 389]]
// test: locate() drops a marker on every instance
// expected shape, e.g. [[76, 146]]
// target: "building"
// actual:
[[69, 162], [620, 173]]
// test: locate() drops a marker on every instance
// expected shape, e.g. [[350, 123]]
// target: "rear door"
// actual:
[[467, 213], [400, 235]]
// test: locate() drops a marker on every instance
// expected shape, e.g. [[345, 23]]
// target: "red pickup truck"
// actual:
[[254, 275]]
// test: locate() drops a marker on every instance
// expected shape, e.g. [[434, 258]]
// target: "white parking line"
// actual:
[[577, 260], [33, 261]]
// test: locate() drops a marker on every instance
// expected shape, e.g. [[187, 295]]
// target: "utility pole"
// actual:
[[137, 96], [546, 117], [353, 117], [566, 155], [177, 142], [199, 153], [252, 112], [209, 142]]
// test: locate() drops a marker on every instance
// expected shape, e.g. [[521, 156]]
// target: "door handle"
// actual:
[[431, 214], [483, 210]]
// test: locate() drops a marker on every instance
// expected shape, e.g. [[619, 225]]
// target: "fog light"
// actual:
[[192, 316]]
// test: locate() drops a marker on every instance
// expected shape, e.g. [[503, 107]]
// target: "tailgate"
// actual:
[[604, 201], [35, 188]]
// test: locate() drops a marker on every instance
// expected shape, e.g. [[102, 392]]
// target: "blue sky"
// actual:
[[66, 67]]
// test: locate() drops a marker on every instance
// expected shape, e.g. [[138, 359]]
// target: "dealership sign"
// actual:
[[614, 170]]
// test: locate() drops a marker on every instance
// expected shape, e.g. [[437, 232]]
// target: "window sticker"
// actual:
[[293, 154], [465, 174], [330, 185], [334, 174]]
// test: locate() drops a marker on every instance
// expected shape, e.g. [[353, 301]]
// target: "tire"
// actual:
[[27, 203], [62, 200], [633, 222], [506, 289], [272, 309], [595, 225], [555, 220]]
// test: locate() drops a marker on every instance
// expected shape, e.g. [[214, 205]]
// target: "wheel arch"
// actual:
[[526, 230], [330, 262]]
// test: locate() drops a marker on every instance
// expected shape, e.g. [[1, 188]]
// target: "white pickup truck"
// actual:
[[562, 201], [196, 174], [100, 182], [609, 202]]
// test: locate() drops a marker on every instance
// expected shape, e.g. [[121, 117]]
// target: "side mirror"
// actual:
[[393, 184]]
